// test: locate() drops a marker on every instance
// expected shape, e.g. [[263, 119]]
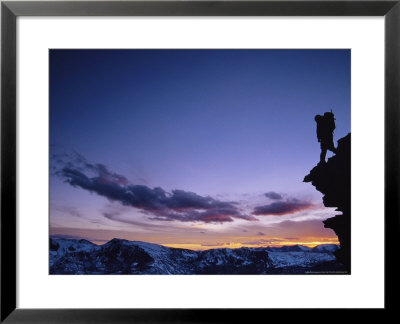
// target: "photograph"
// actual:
[[199, 161]]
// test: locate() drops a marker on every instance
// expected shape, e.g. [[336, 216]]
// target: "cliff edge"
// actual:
[[333, 180]]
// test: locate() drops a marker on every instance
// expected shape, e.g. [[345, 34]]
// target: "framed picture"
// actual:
[[200, 154]]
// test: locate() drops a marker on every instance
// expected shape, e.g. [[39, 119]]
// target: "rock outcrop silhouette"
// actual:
[[333, 180]]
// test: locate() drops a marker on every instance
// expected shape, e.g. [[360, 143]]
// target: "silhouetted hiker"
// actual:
[[325, 127]]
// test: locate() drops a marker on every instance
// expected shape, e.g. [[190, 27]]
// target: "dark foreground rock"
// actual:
[[333, 180]]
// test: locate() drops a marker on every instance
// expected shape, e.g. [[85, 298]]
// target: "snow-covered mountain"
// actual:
[[68, 256]]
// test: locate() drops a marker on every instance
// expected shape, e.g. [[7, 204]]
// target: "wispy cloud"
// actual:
[[72, 211], [75, 237], [215, 244], [261, 242]]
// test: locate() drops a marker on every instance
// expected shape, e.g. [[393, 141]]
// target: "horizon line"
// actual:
[[204, 248]]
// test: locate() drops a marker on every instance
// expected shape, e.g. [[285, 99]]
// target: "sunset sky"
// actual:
[[196, 149]]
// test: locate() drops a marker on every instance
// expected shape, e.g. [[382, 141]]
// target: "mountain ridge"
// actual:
[[119, 256], [56, 238]]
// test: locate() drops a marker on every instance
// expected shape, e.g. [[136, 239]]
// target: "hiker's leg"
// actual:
[[323, 154], [332, 147]]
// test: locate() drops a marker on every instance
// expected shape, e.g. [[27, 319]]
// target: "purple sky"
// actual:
[[192, 148]]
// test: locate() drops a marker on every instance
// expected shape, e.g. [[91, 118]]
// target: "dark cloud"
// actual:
[[273, 195], [260, 233], [179, 205], [77, 162], [210, 214], [281, 208]]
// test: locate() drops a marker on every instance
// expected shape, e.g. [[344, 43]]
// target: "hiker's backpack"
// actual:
[[320, 127], [329, 121]]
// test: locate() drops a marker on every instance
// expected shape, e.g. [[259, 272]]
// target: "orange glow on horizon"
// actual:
[[200, 242], [232, 242], [238, 245]]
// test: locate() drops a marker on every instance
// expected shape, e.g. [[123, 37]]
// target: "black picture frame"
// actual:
[[10, 10]]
